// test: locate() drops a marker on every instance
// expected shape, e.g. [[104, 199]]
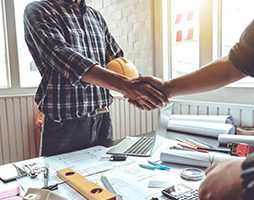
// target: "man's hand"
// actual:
[[144, 95], [155, 83], [223, 181]]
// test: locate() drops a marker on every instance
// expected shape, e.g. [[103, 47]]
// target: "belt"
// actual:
[[98, 111], [92, 113]]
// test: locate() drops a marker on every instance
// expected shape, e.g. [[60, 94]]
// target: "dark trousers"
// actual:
[[75, 134]]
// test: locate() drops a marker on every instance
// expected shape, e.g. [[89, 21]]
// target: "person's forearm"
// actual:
[[145, 95], [106, 79], [212, 76]]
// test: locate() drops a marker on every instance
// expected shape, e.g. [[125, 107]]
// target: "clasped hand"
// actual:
[[147, 92]]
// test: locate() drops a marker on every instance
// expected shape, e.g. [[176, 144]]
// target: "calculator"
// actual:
[[180, 192]]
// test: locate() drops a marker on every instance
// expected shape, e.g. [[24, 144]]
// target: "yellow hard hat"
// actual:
[[124, 67]]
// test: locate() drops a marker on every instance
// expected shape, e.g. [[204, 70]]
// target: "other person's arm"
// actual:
[[212, 76]]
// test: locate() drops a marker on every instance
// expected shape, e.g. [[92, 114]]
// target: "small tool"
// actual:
[[109, 187], [154, 165], [116, 157], [46, 177], [31, 173], [240, 149], [53, 187]]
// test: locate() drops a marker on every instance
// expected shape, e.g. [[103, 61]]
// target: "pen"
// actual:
[[162, 167], [46, 176], [195, 149], [148, 167], [154, 165]]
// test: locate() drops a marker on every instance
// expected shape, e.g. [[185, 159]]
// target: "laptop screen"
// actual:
[[162, 124]]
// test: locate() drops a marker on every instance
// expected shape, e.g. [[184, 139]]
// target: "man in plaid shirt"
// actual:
[[71, 45]]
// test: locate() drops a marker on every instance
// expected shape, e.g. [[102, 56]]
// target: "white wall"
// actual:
[[131, 24]]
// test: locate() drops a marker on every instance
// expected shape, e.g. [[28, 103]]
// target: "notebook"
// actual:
[[145, 146]]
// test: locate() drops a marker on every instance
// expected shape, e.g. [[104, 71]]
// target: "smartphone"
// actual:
[[180, 192], [11, 172]]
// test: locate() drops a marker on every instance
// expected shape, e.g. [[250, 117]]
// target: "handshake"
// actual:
[[147, 92]]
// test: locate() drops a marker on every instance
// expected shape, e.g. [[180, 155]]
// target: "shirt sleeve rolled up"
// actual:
[[48, 37], [242, 53]]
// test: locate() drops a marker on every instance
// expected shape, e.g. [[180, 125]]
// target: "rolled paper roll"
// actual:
[[226, 139]]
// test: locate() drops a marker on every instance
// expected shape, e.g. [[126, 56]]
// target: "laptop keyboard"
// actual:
[[141, 147]]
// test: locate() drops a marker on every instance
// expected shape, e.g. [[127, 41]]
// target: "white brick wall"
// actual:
[[131, 24]]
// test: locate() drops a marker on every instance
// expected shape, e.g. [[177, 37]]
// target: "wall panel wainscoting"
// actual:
[[17, 128], [18, 139]]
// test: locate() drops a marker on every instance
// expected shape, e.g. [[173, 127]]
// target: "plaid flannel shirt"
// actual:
[[65, 41]]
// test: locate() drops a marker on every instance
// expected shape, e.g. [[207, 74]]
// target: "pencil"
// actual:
[[186, 143], [198, 144], [202, 142], [192, 148]]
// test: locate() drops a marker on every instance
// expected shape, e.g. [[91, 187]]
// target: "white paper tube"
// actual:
[[225, 139]]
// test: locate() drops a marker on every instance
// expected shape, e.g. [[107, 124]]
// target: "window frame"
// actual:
[[238, 92], [3, 18], [12, 62], [162, 50]]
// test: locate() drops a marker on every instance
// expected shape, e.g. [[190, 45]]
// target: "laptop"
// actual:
[[145, 146]]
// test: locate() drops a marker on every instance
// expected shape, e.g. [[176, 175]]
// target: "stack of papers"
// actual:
[[205, 125]]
